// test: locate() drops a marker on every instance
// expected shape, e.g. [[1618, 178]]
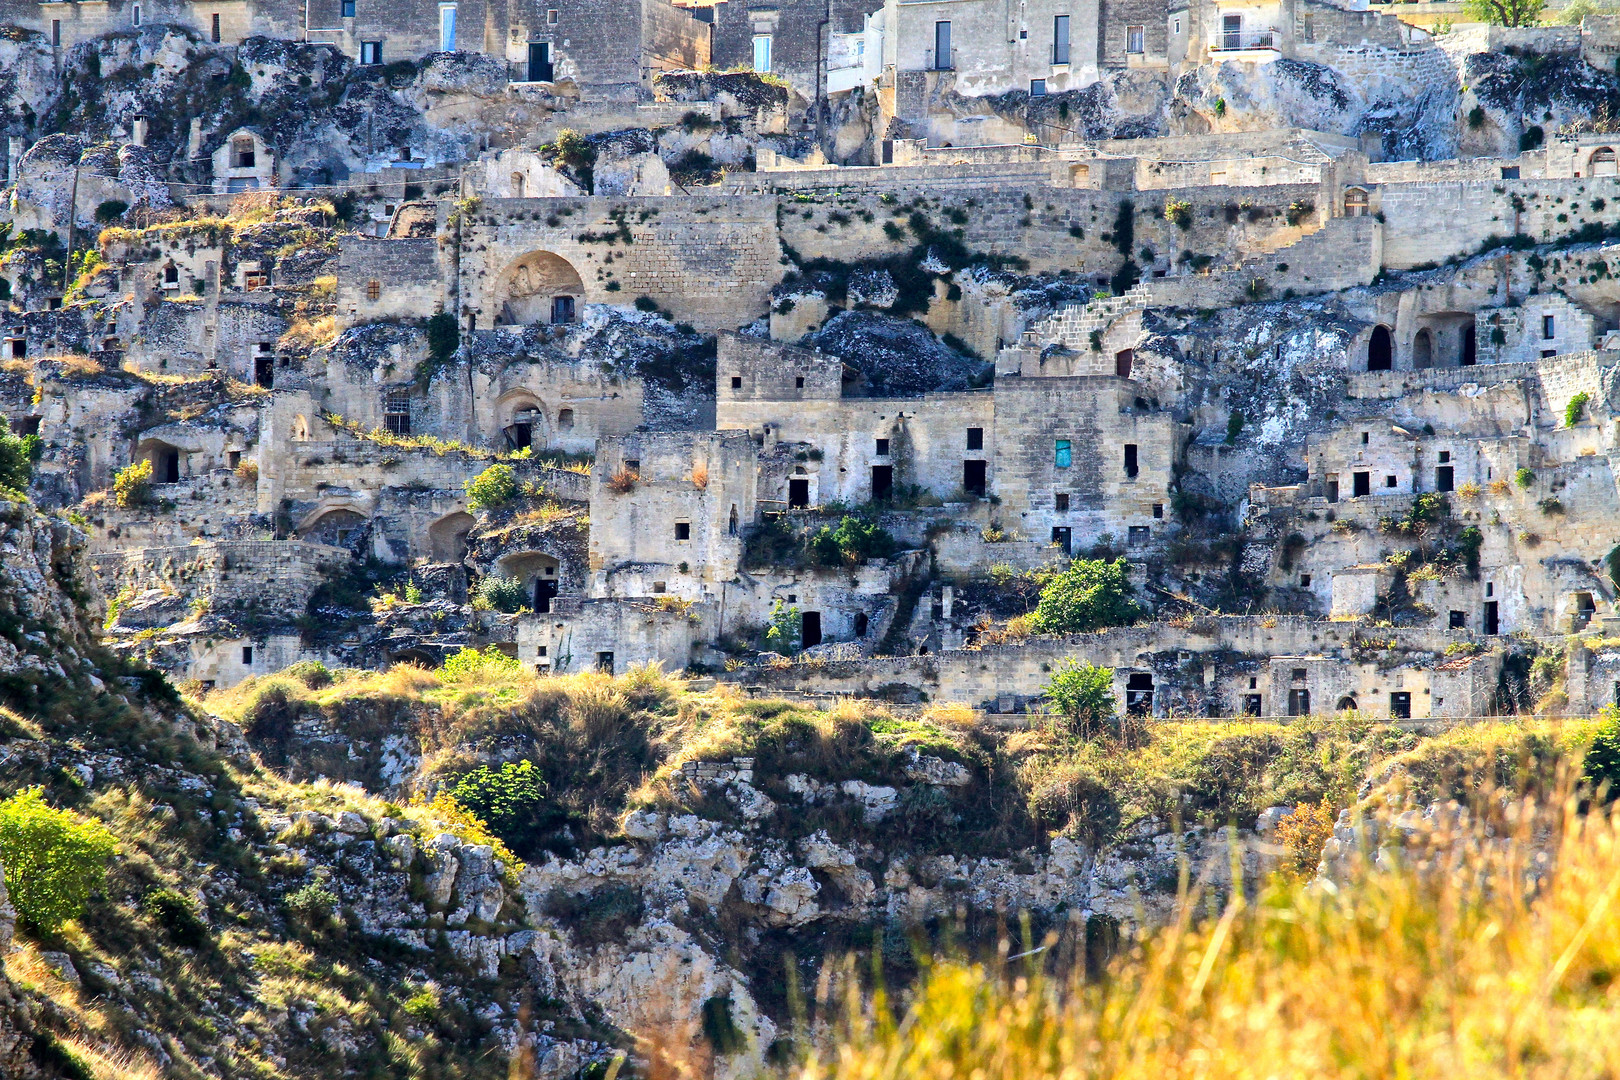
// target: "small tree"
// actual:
[[1083, 694], [512, 802], [443, 336], [497, 592], [1601, 768], [1504, 12], [492, 487], [132, 486], [54, 859], [470, 665], [1089, 595], [782, 635], [17, 457]]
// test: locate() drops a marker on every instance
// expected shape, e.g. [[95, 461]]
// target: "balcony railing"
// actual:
[[1235, 42]]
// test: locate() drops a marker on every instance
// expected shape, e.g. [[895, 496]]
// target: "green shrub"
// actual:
[[1601, 768], [470, 665], [176, 913], [1476, 117], [1089, 595], [132, 486], [423, 1005], [851, 543], [511, 801], [1524, 477], [1082, 693], [1576, 408], [492, 487], [500, 593], [1234, 426], [782, 635], [313, 904], [443, 336], [312, 673], [17, 457], [54, 859]]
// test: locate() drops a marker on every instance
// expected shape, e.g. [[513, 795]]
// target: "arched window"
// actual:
[[731, 526], [1355, 202], [1422, 350], [517, 185], [1347, 704], [565, 419], [1380, 350], [1603, 162]]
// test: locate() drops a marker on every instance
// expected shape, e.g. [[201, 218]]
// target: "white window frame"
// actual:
[[762, 52]]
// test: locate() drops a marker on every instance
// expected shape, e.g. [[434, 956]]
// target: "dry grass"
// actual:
[[1455, 970], [306, 334], [623, 482], [700, 477]]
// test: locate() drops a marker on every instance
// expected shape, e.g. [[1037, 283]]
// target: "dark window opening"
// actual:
[[798, 382], [1304, 581], [166, 466], [1060, 502], [371, 52], [264, 371], [1137, 535], [544, 590], [861, 624], [1139, 694], [1332, 491], [1444, 477], [1158, 511], [1299, 703], [397, 413], [520, 435], [1470, 347], [882, 448], [973, 477], [247, 654], [562, 310], [1400, 705], [810, 629], [604, 661], [1063, 537], [1123, 361], [1360, 484], [1130, 460], [798, 492], [1493, 621], [233, 458], [215, 33], [882, 481], [1457, 620], [1251, 705], [975, 438], [736, 382], [1389, 481], [540, 66], [683, 530]]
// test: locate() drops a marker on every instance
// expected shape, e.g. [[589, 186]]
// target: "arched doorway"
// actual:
[[523, 419], [1603, 162], [1423, 350], [540, 573], [1347, 704], [447, 537], [165, 459], [337, 527], [1380, 350], [538, 288], [1469, 354]]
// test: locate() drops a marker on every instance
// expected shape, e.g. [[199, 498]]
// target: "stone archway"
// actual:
[[1380, 349], [1423, 350], [165, 459], [522, 419], [539, 288], [540, 573], [1603, 162], [335, 525], [447, 537]]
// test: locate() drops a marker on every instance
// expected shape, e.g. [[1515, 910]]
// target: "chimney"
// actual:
[[137, 130]]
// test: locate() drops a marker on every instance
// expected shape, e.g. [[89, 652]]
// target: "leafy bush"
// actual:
[[1178, 211], [443, 336], [1524, 477], [470, 665], [176, 913], [313, 904], [851, 543], [492, 487], [1089, 595], [132, 486], [312, 673], [512, 802], [1576, 408], [500, 593], [54, 859], [17, 457], [1083, 694], [782, 635], [424, 1004], [1601, 768]]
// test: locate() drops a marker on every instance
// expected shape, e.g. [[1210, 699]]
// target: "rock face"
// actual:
[[15, 1022]]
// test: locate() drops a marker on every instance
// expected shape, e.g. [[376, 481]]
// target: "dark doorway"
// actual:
[[882, 481], [1122, 363], [1360, 484], [810, 628], [1130, 461], [1299, 703], [1470, 347], [973, 477], [1444, 478], [1251, 705], [264, 371], [1332, 491], [1400, 705], [1380, 350], [562, 309], [604, 662], [1139, 694], [798, 492], [520, 435], [540, 69], [1062, 537], [861, 624], [1493, 621], [544, 590], [166, 466]]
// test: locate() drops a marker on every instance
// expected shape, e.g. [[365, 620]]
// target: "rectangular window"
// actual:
[[1138, 535], [1389, 481], [1063, 537], [736, 382], [683, 530], [762, 52], [1299, 703], [882, 481], [1360, 484], [1547, 330], [247, 654], [1445, 456], [551, 16], [1458, 620], [371, 52], [56, 33], [882, 448], [1135, 40], [215, 34], [1130, 461], [397, 412], [348, 9], [447, 28], [975, 438], [135, 15], [1400, 705], [1060, 502], [1251, 705], [1062, 456], [1060, 39], [942, 46], [604, 662], [1444, 478], [373, 290], [1037, 88]]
